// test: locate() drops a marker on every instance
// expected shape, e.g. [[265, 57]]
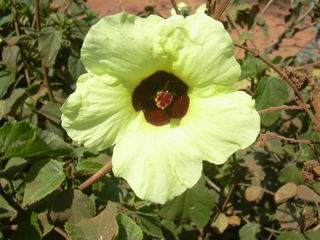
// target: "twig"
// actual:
[[62, 233], [227, 198], [284, 78], [265, 137], [37, 15], [273, 67], [17, 29], [279, 108], [213, 185], [272, 230], [44, 68], [316, 63], [261, 14], [315, 97], [304, 15], [262, 188], [94, 178], [234, 26], [15, 22], [174, 4], [288, 28], [224, 205], [220, 8]]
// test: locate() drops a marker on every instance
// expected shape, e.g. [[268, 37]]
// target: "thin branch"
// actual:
[[62, 233], [225, 203], [15, 20], [44, 68], [213, 185], [94, 178], [37, 15], [17, 30], [261, 14], [290, 27], [175, 6], [265, 137], [316, 63], [262, 188], [279, 108], [219, 7], [303, 16], [283, 77], [233, 25], [227, 198]]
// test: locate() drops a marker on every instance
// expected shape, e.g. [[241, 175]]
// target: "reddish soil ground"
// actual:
[[274, 17]]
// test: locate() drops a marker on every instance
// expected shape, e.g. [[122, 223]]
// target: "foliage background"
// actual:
[[268, 191]]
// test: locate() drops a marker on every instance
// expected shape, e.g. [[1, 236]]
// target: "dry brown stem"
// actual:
[[265, 137], [283, 76], [44, 68], [279, 108], [62, 233], [94, 178], [216, 8], [315, 101], [174, 4]]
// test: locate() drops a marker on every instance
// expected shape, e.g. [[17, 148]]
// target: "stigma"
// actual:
[[163, 99]]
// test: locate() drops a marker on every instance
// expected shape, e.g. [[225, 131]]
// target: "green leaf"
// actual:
[[271, 91], [107, 189], [49, 45], [6, 79], [248, 67], [288, 215], [20, 139], [72, 206], [52, 111], [194, 204], [290, 173], [44, 177], [88, 167], [46, 223], [313, 235], [6, 211], [150, 222], [291, 236], [249, 231], [102, 227], [75, 67], [9, 104], [6, 19], [14, 166], [128, 229], [10, 56]]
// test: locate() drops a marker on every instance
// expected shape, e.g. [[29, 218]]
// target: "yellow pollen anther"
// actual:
[[163, 99]]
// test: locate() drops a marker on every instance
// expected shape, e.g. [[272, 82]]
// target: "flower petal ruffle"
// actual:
[[97, 113], [198, 50], [121, 46], [158, 162]]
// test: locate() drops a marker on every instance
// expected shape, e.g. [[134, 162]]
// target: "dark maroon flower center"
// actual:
[[162, 96]]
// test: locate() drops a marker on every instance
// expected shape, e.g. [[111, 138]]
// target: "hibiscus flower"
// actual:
[[162, 91]]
